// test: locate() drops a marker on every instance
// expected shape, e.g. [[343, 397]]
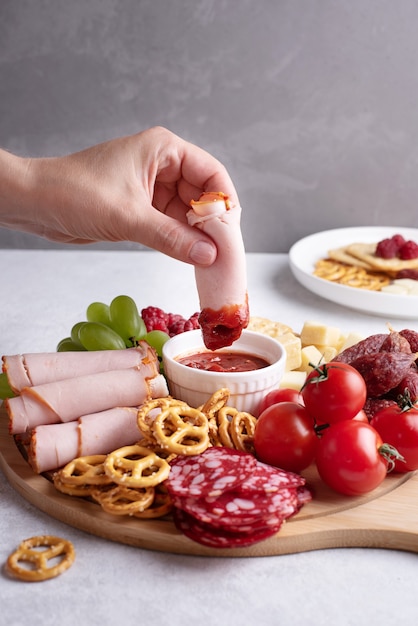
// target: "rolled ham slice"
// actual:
[[31, 369], [67, 400], [222, 287], [54, 445]]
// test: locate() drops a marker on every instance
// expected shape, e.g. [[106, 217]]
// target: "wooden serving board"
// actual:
[[386, 518]]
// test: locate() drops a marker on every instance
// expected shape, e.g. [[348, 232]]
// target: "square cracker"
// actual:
[[343, 256]]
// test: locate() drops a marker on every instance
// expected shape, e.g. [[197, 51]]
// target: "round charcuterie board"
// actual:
[[385, 518]]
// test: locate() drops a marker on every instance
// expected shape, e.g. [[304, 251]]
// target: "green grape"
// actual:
[[5, 389], [74, 334], [68, 345], [126, 321], [98, 312], [156, 339], [97, 336]]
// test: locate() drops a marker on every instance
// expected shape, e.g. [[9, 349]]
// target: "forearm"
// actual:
[[34, 197], [15, 190]]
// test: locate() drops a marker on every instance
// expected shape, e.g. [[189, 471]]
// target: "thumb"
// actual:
[[176, 239]]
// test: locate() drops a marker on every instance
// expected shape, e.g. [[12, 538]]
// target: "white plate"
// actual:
[[305, 253]]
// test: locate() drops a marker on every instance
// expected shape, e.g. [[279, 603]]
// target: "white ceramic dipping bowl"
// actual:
[[247, 389]]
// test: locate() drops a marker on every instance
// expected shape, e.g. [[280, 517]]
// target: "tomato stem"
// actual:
[[322, 372], [318, 428], [404, 400], [390, 454]]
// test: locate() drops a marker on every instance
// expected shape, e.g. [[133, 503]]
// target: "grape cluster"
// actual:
[[5, 389], [120, 325]]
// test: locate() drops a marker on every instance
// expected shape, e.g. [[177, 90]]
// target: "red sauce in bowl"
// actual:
[[223, 361]]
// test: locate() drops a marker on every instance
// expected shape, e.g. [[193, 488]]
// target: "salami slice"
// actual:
[[268, 479], [225, 498], [304, 495], [211, 473], [231, 509], [216, 538]]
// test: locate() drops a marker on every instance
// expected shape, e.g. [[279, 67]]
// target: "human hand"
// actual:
[[136, 188]]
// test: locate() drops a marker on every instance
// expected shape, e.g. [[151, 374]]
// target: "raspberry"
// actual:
[[387, 248], [194, 321], [171, 323], [408, 274], [154, 311], [154, 319], [177, 328], [173, 318], [190, 325], [157, 324], [399, 240], [390, 248], [409, 250]]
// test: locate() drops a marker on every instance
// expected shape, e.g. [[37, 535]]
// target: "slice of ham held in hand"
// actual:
[[222, 286]]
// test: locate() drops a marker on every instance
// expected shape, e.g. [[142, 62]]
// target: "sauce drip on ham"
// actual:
[[224, 326]]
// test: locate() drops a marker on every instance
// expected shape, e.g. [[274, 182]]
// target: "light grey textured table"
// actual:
[[43, 295]]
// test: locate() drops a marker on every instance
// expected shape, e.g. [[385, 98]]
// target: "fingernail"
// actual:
[[202, 253]]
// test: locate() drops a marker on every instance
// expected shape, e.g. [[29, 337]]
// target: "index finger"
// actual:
[[203, 172], [196, 171]]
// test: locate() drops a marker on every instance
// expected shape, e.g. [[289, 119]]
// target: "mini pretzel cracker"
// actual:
[[211, 409], [153, 445], [182, 430], [148, 411], [350, 275], [30, 561], [223, 419], [236, 429], [136, 466], [122, 500], [70, 489], [242, 431], [85, 470], [161, 505], [215, 402]]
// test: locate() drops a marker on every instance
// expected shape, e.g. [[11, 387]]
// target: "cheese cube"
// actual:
[[293, 380], [349, 340], [311, 357], [293, 346], [328, 353], [315, 333], [409, 284]]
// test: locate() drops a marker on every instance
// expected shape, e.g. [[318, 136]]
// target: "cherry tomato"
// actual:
[[350, 457], [279, 395], [399, 428], [361, 417], [284, 436], [334, 392]]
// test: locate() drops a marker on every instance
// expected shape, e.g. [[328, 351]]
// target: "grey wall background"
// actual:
[[311, 104]]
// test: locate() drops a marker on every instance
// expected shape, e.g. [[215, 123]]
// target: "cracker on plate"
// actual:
[[343, 256]]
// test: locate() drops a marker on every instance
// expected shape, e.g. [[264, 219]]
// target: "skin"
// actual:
[[136, 188]]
